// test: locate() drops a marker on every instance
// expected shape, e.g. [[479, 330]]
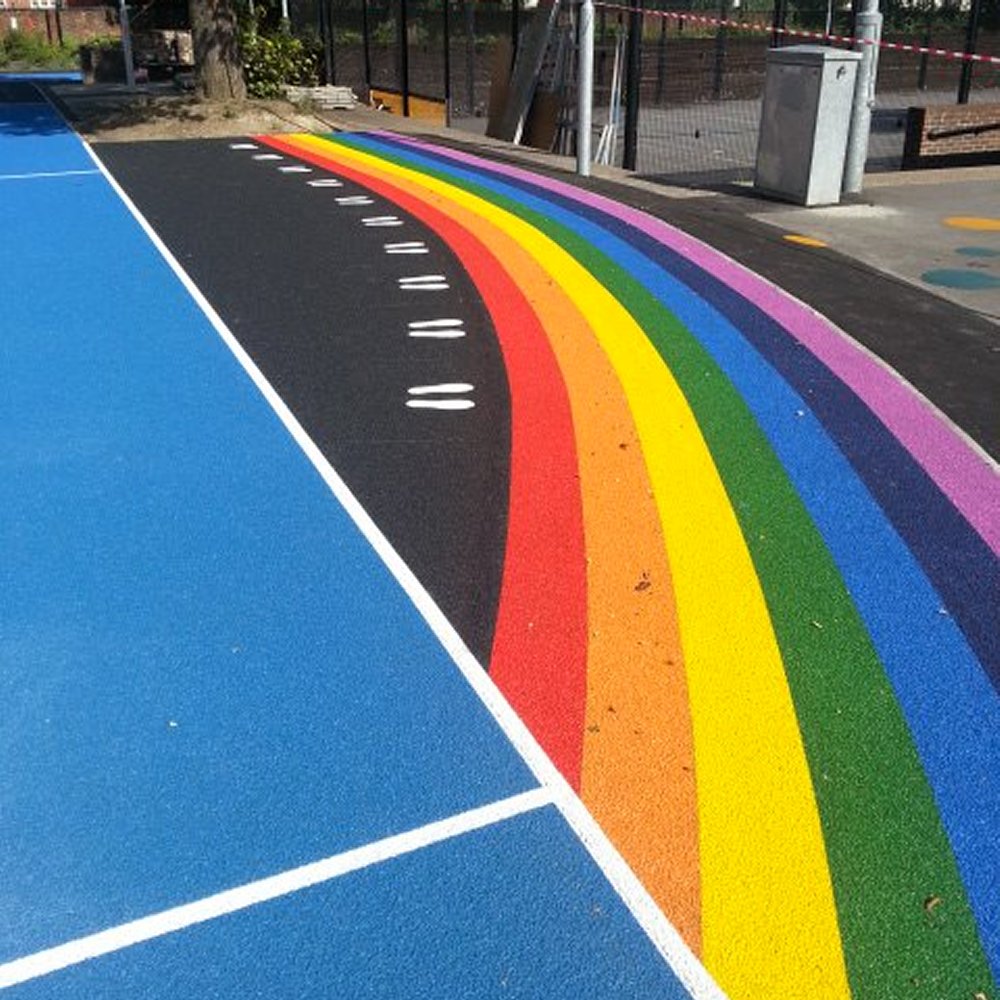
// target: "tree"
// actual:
[[217, 61]]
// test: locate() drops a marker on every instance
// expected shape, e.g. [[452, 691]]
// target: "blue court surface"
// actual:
[[242, 755]]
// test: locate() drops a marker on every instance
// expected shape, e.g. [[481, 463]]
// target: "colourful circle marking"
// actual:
[[973, 222], [971, 281], [978, 252]]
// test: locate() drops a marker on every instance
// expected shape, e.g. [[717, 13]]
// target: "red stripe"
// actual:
[[540, 646]]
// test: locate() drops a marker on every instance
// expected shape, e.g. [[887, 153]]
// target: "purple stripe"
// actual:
[[964, 476]]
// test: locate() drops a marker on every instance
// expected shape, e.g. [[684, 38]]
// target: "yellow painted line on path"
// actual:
[[804, 241], [973, 222]]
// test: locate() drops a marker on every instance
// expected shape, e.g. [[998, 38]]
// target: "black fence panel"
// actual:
[[703, 64]]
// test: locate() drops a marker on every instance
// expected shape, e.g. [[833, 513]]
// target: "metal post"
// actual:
[[720, 51], [585, 88], [126, 31], [515, 29], [925, 42], [778, 23], [446, 27], [868, 31], [326, 34], [971, 37], [366, 49], [633, 80], [470, 56], [601, 56], [404, 59]]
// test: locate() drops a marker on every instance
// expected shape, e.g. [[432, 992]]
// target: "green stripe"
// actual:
[[888, 852]]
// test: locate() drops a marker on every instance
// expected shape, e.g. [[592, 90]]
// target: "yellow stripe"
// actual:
[[768, 919]]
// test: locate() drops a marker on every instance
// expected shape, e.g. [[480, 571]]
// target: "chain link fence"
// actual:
[[702, 62], [702, 83]]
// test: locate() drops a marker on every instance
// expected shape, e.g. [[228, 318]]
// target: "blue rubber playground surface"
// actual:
[[242, 753]]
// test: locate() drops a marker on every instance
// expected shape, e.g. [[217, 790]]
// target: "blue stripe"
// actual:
[[950, 706]]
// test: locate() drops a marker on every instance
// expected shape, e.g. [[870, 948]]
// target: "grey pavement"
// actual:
[[936, 229]]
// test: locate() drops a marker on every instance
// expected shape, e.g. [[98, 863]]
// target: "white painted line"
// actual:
[[268, 156], [297, 169], [440, 404], [438, 329], [326, 182], [43, 963], [243, 145], [451, 334], [424, 283], [633, 893], [382, 221], [355, 199], [412, 247], [435, 324], [47, 173], [442, 387]]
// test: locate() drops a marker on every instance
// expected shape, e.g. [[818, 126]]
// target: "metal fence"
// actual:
[[702, 83], [702, 67], [449, 53]]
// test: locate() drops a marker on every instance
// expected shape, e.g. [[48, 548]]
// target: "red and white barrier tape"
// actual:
[[798, 33]]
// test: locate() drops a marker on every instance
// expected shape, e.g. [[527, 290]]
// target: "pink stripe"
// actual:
[[965, 477]]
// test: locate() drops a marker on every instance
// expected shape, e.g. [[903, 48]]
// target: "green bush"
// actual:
[[24, 50], [104, 42], [275, 60], [384, 32]]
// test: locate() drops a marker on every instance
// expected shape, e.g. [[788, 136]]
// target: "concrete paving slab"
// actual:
[[941, 234]]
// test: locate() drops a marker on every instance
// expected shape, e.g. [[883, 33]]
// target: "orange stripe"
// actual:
[[638, 767]]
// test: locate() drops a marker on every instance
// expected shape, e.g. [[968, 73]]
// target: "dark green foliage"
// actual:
[[274, 59], [25, 50]]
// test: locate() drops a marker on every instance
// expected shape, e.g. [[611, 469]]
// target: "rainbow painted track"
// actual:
[[754, 619], [746, 603]]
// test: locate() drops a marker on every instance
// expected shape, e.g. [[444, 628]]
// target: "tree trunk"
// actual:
[[218, 66]]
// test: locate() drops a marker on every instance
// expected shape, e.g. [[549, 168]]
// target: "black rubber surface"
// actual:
[[312, 296]]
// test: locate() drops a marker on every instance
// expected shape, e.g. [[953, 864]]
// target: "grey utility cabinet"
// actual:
[[804, 123]]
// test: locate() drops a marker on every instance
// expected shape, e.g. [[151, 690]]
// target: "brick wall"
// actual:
[[77, 24], [952, 135]]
